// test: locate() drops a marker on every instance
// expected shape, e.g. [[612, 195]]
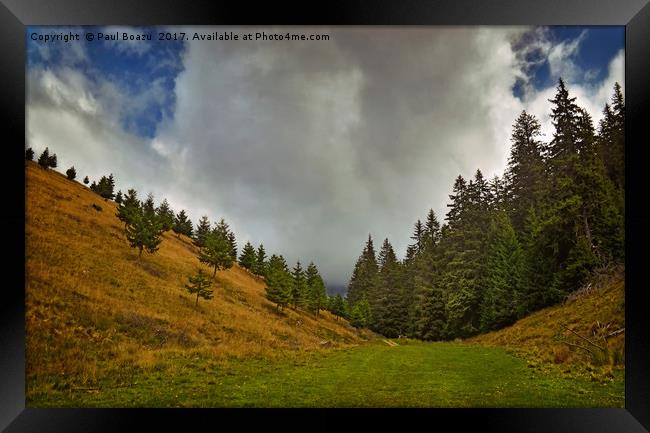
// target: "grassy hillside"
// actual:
[[592, 312], [94, 310]]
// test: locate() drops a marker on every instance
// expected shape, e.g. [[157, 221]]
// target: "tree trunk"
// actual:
[[140, 253], [197, 300], [215, 271]]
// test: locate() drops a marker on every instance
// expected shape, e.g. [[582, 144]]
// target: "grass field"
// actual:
[[372, 375], [105, 329]]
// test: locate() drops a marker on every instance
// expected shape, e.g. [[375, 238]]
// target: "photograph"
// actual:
[[325, 216]]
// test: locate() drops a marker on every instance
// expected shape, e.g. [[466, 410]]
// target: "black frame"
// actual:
[[15, 15]]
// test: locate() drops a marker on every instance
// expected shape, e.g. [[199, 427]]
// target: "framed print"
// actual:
[[379, 212]]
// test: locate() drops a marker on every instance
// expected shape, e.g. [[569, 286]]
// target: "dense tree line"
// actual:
[[510, 245]]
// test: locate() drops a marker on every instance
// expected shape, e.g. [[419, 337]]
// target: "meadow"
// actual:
[[106, 329]]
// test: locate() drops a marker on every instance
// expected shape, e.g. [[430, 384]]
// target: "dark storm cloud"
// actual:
[[310, 146]]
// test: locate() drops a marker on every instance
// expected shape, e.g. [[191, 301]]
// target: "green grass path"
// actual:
[[373, 375]]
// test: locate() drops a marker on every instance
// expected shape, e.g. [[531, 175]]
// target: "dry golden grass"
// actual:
[[540, 335], [93, 309]]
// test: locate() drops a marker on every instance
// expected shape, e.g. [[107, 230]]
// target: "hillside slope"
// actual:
[[92, 308], [595, 310]]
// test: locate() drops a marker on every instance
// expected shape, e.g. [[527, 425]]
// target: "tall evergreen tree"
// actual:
[[119, 198], [202, 230], [504, 280], [182, 224], [388, 309], [316, 293], [29, 154], [364, 276], [247, 258], [299, 287], [44, 159], [525, 178], [129, 208], [260, 262], [278, 282], [165, 215]]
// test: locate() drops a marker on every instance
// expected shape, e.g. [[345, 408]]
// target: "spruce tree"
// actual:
[[260, 262], [29, 154], [360, 314], [143, 230], [51, 162], [71, 173], [223, 229], [504, 281], [202, 230], [165, 215], [44, 159], [278, 282], [364, 276], [525, 179], [182, 224], [105, 187], [299, 287], [119, 198], [247, 258], [337, 306], [316, 293], [200, 284], [129, 207], [216, 252], [388, 309]]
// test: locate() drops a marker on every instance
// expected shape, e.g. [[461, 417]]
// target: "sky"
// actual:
[[306, 146]]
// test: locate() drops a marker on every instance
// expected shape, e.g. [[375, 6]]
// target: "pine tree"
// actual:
[[200, 284], [143, 230], [260, 262], [364, 276], [182, 224], [44, 159], [337, 306], [504, 283], [86, 180], [431, 229], [388, 309], [223, 229], [247, 258], [119, 198], [612, 138], [299, 287], [51, 162], [216, 252], [129, 207], [165, 215], [29, 154], [360, 314], [278, 282], [71, 173], [525, 177], [105, 187], [316, 293], [202, 230], [233, 244]]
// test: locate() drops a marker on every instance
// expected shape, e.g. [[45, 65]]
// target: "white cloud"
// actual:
[[308, 147]]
